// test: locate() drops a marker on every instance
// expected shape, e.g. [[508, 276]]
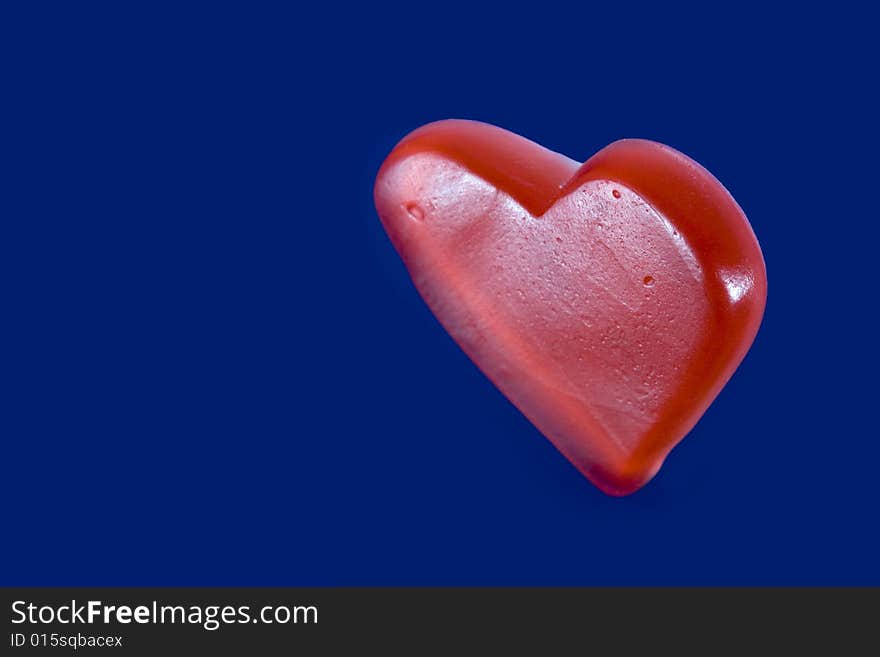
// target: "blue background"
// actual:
[[216, 370]]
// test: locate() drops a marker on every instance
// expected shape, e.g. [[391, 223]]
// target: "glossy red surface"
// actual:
[[609, 301]]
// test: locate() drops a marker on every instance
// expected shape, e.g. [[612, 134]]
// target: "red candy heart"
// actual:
[[609, 301]]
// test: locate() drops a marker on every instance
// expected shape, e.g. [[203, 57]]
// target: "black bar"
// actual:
[[543, 621]]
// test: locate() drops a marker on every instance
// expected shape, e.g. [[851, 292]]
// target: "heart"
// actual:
[[610, 302]]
